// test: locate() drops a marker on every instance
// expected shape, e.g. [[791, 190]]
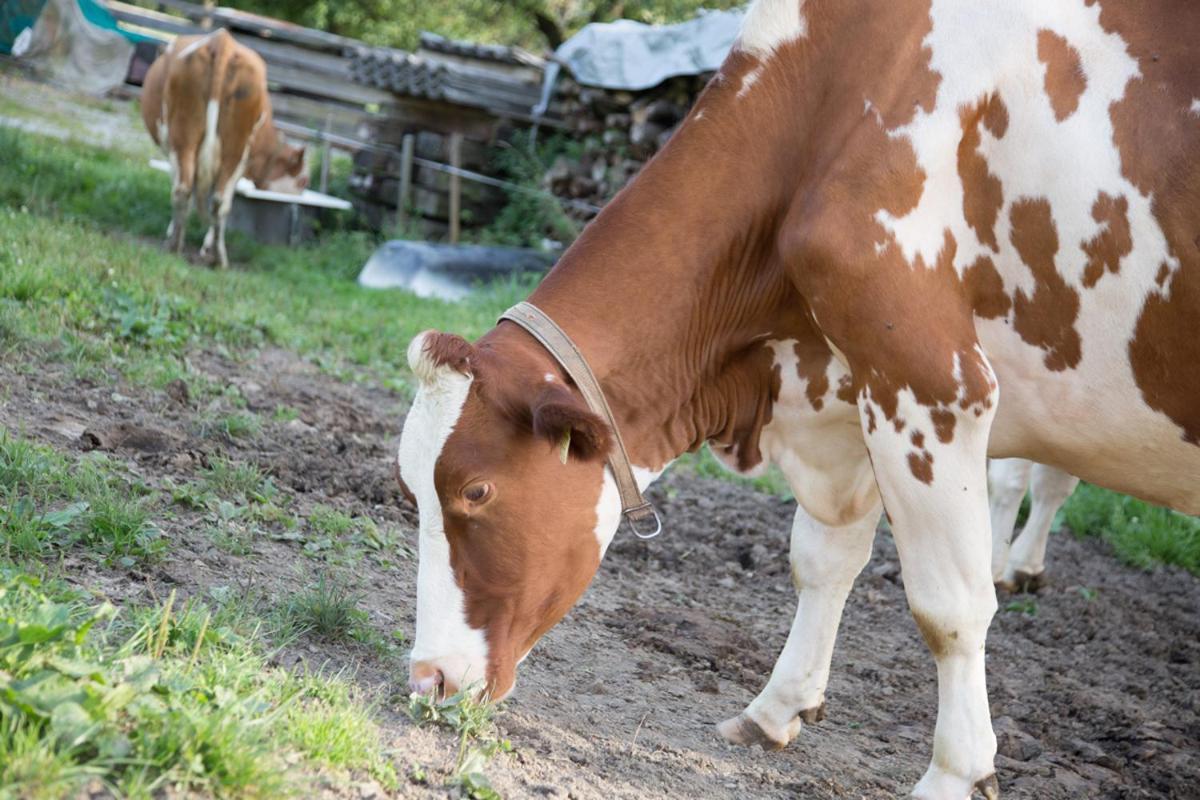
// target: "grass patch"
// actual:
[[704, 464], [327, 609], [69, 267], [174, 697], [48, 503], [1141, 534]]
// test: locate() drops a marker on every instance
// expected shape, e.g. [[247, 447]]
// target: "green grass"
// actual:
[[48, 502], [704, 464], [81, 267], [168, 697], [328, 609], [1141, 534]]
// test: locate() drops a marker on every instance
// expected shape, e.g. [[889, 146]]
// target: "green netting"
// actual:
[[16, 16]]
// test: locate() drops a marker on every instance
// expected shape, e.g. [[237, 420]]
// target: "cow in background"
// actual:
[[205, 104], [1020, 565]]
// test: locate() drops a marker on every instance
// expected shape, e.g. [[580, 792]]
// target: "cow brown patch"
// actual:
[[1112, 243], [1165, 352], [813, 367], [1047, 318], [983, 194], [943, 424], [918, 439], [985, 288], [921, 465], [1064, 81]]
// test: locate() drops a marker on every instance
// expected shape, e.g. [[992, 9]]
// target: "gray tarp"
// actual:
[[68, 49], [630, 55]]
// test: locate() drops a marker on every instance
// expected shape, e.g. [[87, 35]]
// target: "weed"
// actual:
[[472, 720], [327, 609], [238, 480], [1024, 605]]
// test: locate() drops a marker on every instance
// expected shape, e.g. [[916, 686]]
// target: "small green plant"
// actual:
[[1024, 605], [703, 463], [238, 480], [327, 609], [472, 720]]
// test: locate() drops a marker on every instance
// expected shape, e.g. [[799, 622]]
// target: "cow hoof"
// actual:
[[1024, 583], [989, 787], [744, 731], [811, 716]]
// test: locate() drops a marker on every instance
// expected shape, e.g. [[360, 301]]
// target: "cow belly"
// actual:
[[1091, 421]]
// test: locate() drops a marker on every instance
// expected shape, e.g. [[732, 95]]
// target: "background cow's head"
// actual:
[[279, 167], [506, 465]]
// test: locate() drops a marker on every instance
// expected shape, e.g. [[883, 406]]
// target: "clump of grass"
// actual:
[[1141, 534], [328, 609], [121, 528], [238, 480], [236, 425]]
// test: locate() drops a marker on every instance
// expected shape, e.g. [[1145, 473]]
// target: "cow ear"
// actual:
[[298, 158], [433, 353], [562, 419]]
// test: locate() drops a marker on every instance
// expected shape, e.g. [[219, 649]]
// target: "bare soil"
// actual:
[[1095, 684]]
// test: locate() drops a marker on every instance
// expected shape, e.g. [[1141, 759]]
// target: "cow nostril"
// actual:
[[432, 683]]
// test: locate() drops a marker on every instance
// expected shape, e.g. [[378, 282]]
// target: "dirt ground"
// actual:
[[1096, 693]]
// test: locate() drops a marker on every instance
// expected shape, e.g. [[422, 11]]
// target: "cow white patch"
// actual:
[[820, 452], [443, 636], [194, 46], [770, 23], [608, 506], [1195, 109], [208, 160]]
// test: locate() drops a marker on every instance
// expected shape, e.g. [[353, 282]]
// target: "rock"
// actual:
[[178, 391]]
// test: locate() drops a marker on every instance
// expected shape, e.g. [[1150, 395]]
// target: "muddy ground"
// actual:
[[1096, 693]]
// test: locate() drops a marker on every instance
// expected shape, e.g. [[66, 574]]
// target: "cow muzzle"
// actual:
[[446, 676]]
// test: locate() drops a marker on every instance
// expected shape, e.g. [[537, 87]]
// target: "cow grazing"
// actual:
[[1020, 566], [889, 241], [205, 104]]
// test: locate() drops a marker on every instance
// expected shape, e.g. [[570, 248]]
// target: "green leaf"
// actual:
[[71, 724]]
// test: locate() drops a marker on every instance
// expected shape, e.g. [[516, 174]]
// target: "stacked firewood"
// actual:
[[620, 129]]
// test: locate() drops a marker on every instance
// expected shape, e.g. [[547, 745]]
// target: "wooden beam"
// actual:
[[404, 197], [456, 140]]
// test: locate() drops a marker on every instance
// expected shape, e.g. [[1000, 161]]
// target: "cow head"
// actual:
[[506, 465], [280, 167]]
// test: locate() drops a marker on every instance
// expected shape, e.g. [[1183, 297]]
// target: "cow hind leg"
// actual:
[[825, 561], [1008, 479], [182, 182], [1049, 489], [935, 491]]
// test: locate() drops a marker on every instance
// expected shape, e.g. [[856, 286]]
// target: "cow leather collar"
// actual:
[[634, 506]]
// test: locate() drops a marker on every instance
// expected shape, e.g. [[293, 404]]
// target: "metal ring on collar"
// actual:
[[657, 526]]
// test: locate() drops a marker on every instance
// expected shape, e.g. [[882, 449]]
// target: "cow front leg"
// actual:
[[1049, 489], [825, 561], [1008, 478], [931, 467]]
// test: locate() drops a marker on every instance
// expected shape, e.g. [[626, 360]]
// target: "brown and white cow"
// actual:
[[205, 104], [890, 240], [1020, 565]]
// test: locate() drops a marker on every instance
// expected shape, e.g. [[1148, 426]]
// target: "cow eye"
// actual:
[[478, 492]]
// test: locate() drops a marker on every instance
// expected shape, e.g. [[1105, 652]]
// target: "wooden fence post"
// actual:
[[456, 140], [209, 7], [404, 196], [325, 155]]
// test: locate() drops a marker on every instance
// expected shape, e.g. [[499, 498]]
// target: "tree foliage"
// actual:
[[535, 24]]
